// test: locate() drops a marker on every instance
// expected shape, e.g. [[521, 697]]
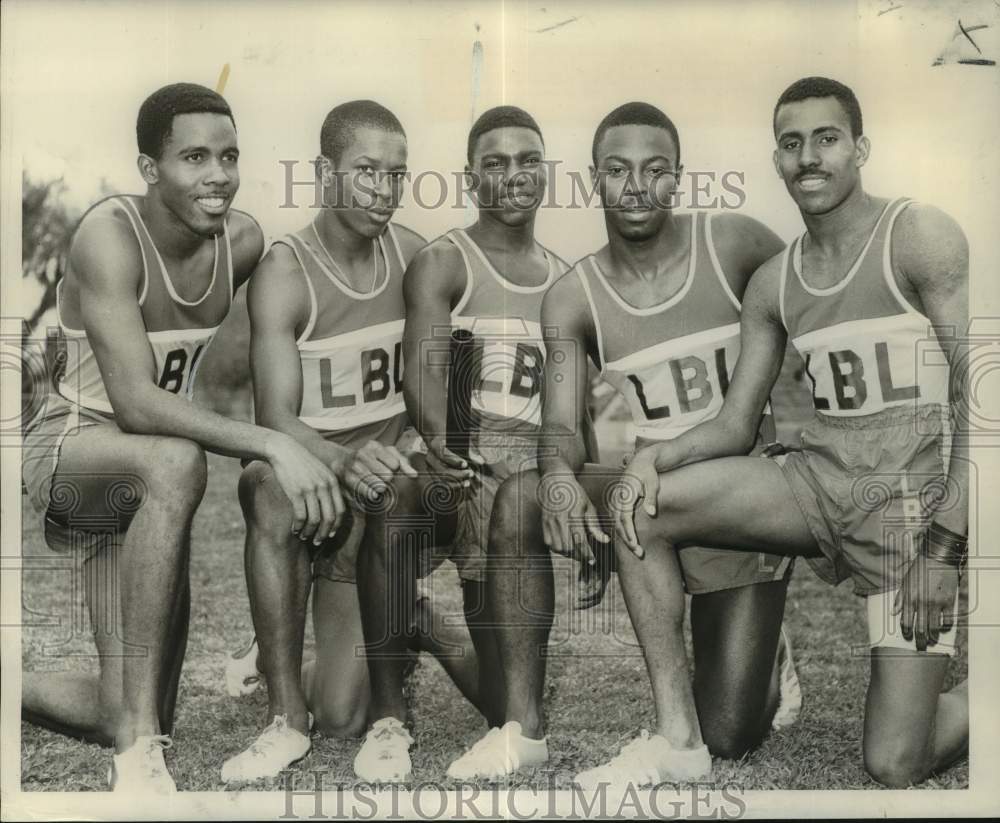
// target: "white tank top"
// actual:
[[672, 362], [351, 350], [865, 347], [505, 321], [178, 330]]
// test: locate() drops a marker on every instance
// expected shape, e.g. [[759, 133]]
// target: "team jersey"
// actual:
[[672, 362], [178, 330], [865, 347], [505, 321], [351, 350]]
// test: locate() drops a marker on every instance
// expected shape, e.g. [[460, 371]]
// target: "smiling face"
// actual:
[[817, 156], [196, 175], [507, 174], [636, 177], [365, 183]]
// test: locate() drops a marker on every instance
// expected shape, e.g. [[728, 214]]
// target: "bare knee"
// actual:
[[264, 504], [176, 473], [670, 510], [730, 738], [895, 764], [514, 521], [339, 717]]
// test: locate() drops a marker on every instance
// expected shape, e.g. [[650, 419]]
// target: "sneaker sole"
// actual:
[[238, 780]]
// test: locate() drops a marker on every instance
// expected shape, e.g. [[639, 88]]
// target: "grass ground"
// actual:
[[598, 695]]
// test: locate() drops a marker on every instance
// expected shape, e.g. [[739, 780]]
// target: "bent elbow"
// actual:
[[739, 436], [130, 415], [131, 420]]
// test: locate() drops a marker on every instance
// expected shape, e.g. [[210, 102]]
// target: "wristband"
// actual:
[[945, 534], [945, 546]]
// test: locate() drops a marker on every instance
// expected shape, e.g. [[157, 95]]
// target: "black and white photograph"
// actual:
[[499, 409]]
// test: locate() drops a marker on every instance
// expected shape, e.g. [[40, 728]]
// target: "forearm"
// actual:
[[712, 439], [154, 411], [561, 450], [954, 514], [333, 454], [426, 403]]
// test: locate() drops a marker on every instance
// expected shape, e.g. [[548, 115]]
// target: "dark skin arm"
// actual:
[[107, 263], [931, 256], [568, 514], [742, 245], [433, 284]]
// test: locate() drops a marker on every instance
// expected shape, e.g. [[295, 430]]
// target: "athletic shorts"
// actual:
[[865, 486], [505, 454], [336, 559], [707, 569], [40, 449]]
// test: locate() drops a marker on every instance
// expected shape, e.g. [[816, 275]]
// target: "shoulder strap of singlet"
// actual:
[[292, 242], [165, 275], [581, 273], [457, 236], [398, 248], [858, 264], [229, 257], [723, 280], [786, 262], [556, 262], [132, 213], [890, 279]]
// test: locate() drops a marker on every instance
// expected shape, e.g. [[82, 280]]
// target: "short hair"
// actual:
[[342, 121], [636, 114], [810, 87], [157, 112], [501, 117]]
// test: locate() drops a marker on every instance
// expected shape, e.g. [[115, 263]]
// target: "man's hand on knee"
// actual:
[[638, 484], [311, 488]]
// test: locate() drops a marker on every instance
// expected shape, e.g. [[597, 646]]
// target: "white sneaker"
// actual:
[[648, 761], [140, 769], [790, 692], [242, 675], [277, 748], [384, 757], [500, 752]]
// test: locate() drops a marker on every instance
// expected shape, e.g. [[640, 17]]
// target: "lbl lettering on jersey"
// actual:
[[175, 368], [698, 381], [381, 374], [508, 349], [507, 361], [351, 350], [854, 375]]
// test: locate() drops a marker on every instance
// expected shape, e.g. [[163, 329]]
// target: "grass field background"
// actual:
[[597, 692]]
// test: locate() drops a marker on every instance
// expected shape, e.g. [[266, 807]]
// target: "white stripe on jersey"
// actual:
[[354, 338], [513, 327], [669, 349]]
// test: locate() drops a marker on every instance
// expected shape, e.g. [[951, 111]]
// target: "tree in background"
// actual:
[[47, 224]]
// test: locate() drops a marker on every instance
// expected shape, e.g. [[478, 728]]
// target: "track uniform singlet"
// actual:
[[178, 330], [351, 350], [505, 320], [865, 347], [672, 362]]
